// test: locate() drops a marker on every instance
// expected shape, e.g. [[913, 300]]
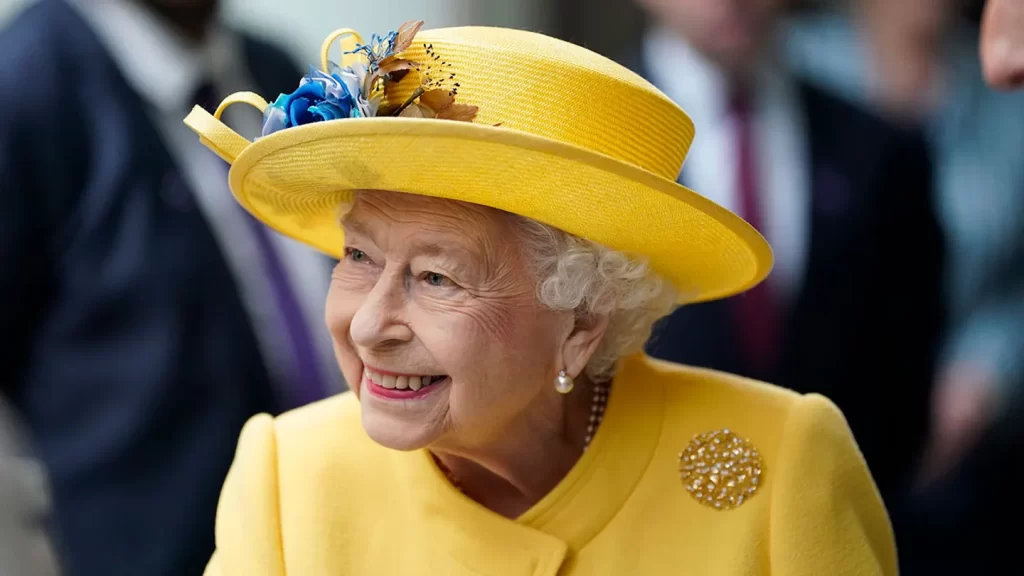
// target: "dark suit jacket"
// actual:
[[865, 325], [126, 346]]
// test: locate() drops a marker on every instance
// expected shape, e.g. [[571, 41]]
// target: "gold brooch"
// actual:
[[720, 469]]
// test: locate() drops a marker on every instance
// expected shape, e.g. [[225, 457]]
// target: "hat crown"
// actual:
[[586, 146], [554, 89]]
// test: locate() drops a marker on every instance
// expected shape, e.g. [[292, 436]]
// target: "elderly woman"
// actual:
[[509, 233]]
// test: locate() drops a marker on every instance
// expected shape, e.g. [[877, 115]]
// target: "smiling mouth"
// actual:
[[391, 381]]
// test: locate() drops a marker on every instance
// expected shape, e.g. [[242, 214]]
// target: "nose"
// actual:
[[379, 320], [1002, 44]]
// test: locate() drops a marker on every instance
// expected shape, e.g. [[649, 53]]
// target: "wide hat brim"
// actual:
[[296, 179]]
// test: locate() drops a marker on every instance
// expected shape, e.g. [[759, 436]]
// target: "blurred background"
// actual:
[[889, 180], [301, 27]]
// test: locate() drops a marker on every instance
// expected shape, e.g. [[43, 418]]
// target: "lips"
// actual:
[[398, 381]]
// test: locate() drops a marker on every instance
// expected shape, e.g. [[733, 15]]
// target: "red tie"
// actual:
[[757, 314]]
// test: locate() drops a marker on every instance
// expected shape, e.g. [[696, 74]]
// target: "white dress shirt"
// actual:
[[780, 140], [25, 547], [166, 71]]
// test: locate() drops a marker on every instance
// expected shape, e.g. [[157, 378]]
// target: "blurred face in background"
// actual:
[[731, 33], [192, 17], [183, 4], [912, 17], [1002, 43]]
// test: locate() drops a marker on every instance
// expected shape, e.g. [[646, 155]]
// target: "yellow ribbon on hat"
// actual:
[[227, 143], [250, 98], [346, 56], [215, 134]]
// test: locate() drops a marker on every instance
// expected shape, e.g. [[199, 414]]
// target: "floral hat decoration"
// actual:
[[514, 120], [367, 88]]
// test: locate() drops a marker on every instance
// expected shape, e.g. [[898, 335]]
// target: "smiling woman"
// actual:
[[483, 306], [495, 288]]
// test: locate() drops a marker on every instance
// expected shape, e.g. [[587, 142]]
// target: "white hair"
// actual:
[[580, 275]]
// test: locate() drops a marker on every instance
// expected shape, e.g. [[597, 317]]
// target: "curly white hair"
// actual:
[[580, 275]]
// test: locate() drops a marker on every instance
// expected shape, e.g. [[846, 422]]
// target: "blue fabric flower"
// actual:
[[341, 92], [319, 97]]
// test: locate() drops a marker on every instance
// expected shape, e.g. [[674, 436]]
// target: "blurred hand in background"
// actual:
[[1002, 43], [964, 407]]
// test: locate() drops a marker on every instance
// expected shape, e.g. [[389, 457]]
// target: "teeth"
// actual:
[[401, 382]]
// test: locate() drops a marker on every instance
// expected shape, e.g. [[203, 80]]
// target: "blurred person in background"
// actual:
[[1002, 43], [917, 62], [852, 308], [25, 548], [147, 316]]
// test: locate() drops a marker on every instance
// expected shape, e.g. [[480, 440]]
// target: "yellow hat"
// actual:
[[549, 130]]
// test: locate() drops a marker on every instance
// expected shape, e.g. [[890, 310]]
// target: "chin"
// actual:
[[395, 435], [398, 431]]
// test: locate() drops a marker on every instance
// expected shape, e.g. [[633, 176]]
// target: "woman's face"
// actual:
[[435, 321]]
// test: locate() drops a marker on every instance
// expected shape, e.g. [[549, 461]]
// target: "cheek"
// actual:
[[477, 328], [492, 351], [340, 309]]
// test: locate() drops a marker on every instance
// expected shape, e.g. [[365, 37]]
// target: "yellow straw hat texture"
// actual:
[[560, 134]]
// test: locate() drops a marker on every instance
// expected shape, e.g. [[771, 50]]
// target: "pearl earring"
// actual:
[[563, 383]]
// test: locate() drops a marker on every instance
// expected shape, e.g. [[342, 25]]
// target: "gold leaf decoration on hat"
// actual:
[[406, 33], [437, 90], [442, 104], [461, 112], [401, 82], [437, 100], [388, 67], [721, 470]]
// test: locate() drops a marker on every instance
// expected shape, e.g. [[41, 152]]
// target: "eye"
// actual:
[[435, 279], [356, 255]]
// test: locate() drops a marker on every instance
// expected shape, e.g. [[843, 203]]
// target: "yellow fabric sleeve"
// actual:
[[248, 528], [213, 567], [826, 514]]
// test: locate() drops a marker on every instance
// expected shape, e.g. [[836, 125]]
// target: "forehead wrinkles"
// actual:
[[387, 218]]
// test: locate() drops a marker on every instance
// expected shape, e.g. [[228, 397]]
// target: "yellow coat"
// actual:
[[309, 494]]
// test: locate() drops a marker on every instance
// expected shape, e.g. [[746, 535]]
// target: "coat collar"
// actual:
[[572, 514]]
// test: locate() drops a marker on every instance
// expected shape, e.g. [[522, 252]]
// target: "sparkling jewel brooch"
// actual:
[[720, 469]]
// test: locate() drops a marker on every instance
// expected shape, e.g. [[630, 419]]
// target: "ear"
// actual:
[[582, 342]]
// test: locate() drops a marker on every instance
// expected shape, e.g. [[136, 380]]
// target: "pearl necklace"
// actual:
[[597, 408]]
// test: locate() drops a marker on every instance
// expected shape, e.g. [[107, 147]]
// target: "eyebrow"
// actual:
[[464, 263], [355, 226], [434, 248]]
